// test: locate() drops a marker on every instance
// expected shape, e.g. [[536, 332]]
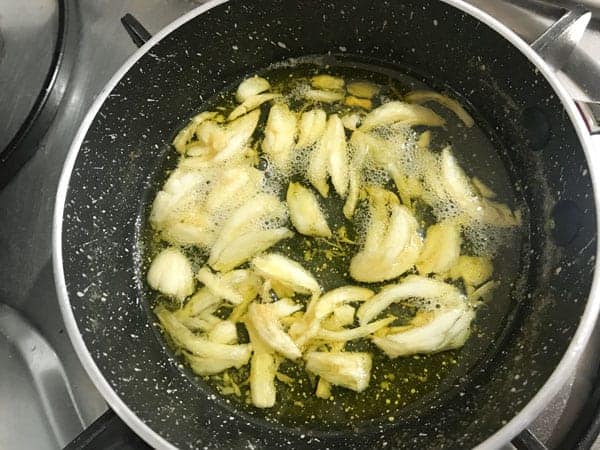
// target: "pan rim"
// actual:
[[520, 421]]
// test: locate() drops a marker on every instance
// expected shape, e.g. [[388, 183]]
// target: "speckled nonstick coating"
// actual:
[[128, 140]]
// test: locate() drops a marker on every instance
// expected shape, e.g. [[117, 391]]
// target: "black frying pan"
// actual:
[[123, 148]]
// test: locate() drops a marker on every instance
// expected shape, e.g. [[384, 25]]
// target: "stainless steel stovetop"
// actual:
[[46, 399]]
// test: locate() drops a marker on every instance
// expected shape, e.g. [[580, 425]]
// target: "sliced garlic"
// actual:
[[233, 186], [363, 103], [317, 168], [441, 250], [201, 301], [321, 307], [459, 189], [176, 194], [242, 221], [334, 139], [323, 389], [215, 364], [250, 87], [392, 245], [363, 89], [287, 272], [350, 334], [238, 133], [351, 370], [280, 135], [422, 291], [444, 329], [203, 322], [266, 324], [330, 158], [321, 96], [185, 135], [305, 212], [250, 104], [263, 369], [474, 270], [327, 82], [219, 288], [361, 150], [351, 121], [171, 273], [451, 104], [284, 307], [247, 245], [311, 127], [400, 112], [342, 315], [200, 346], [224, 332]]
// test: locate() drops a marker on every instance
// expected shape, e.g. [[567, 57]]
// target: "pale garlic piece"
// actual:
[[218, 143], [218, 286], [392, 245], [429, 332], [305, 212], [351, 370], [284, 307], [474, 270], [458, 188], [266, 324], [334, 139], [327, 82], [203, 322], [280, 136], [171, 273], [250, 104], [185, 135], [400, 112], [202, 300], [224, 332], [250, 87], [355, 177], [247, 245], [450, 103], [206, 357], [317, 168], [176, 194], [422, 290], [287, 272], [311, 127], [321, 96], [244, 220], [321, 307], [330, 158], [351, 121], [363, 89], [232, 187], [342, 315], [363, 103], [441, 249], [350, 334], [263, 369]]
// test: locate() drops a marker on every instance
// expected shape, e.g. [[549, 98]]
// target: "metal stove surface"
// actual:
[[43, 388]]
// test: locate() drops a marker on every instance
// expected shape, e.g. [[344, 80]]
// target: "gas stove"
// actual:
[[54, 59]]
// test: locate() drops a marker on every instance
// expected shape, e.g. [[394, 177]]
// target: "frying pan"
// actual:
[[123, 146]]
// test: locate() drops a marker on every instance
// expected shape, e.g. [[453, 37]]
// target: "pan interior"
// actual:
[[403, 389]]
